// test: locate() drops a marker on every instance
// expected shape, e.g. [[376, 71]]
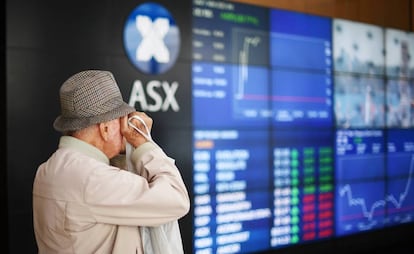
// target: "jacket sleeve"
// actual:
[[155, 197]]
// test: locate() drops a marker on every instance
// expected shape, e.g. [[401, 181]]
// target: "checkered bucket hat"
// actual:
[[87, 98]]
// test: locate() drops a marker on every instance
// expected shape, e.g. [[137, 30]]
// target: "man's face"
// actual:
[[116, 140]]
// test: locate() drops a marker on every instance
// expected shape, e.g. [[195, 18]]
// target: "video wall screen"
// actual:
[[302, 128]]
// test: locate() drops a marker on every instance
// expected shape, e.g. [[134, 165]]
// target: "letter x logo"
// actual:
[[152, 44], [151, 38]]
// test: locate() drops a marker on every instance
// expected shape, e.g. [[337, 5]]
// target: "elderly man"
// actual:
[[82, 203]]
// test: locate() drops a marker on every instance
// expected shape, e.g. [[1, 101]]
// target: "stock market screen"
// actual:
[[292, 137]]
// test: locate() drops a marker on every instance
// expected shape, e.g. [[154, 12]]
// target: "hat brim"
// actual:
[[63, 124]]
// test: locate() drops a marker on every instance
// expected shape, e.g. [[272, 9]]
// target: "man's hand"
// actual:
[[131, 135]]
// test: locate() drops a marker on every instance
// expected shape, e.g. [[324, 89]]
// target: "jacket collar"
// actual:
[[83, 147]]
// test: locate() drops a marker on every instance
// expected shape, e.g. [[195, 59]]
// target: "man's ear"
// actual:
[[104, 131]]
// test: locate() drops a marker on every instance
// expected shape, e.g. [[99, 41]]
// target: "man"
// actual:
[[81, 203]]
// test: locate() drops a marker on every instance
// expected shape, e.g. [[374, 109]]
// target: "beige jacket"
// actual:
[[82, 204]]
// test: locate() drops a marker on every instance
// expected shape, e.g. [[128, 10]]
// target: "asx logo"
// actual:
[[151, 38], [153, 93], [152, 44]]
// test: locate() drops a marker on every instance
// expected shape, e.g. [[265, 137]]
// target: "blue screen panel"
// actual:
[[400, 172], [222, 97], [400, 200], [300, 41], [360, 181], [228, 32], [231, 222], [360, 155], [360, 206], [301, 98], [301, 63]]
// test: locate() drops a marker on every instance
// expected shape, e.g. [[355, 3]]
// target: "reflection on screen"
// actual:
[[359, 101], [399, 53], [400, 103], [358, 47]]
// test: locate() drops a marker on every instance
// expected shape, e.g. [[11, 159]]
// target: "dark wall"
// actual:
[[3, 176]]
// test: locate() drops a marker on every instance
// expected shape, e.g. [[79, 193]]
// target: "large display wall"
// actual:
[[293, 132], [303, 128]]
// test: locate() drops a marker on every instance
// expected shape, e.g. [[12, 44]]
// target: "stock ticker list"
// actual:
[[303, 187], [242, 204], [231, 184]]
